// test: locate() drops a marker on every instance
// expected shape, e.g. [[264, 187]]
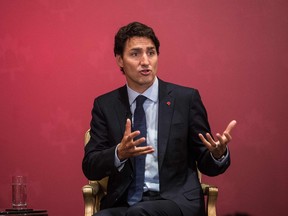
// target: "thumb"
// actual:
[[230, 126]]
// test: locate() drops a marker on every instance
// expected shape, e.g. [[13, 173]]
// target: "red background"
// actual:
[[56, 56]]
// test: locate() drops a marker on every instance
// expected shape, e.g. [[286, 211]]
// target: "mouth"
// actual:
[[145, 72]]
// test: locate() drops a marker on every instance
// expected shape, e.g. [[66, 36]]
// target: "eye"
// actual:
[[134, 54], [151, 53]]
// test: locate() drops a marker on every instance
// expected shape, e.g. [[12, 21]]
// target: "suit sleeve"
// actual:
[[199, 124], [98, 161]]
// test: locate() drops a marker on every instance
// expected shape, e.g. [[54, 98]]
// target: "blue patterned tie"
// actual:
[[136, 188]]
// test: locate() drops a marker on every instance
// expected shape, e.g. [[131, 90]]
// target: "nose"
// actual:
[[144, 59]]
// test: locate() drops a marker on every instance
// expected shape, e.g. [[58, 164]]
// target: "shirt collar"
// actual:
[[151, 93]]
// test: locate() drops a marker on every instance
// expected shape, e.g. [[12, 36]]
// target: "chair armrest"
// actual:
[[89, 194], [212, 193]]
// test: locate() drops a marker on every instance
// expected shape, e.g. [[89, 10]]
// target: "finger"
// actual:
[[210, 140], [230, 126], [133, 135], [143, 150], [228, 136], [204, 141], [127, 127], [139, 141], [221, 139]]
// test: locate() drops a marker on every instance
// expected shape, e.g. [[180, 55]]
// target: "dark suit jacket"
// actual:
[[181, 117]]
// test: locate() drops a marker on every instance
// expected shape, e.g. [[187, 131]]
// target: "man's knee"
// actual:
[[118, 211], [136, 210]]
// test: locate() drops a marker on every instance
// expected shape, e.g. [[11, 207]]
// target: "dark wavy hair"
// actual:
[[134, 29]]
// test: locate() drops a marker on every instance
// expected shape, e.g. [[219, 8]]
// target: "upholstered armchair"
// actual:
[[95, 190]]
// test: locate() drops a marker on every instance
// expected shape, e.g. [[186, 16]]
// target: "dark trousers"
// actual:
[[151, 205]]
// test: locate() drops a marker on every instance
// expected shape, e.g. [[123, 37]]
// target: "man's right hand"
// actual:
[[128, 146]]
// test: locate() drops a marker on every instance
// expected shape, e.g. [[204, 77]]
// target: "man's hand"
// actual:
[[218, 148], [128, 146]]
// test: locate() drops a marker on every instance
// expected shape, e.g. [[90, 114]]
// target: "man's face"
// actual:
[[139, 63]]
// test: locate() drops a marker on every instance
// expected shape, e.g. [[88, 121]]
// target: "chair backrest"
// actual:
[[103, 182]]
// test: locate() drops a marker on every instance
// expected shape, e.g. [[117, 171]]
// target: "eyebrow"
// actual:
[[139, 49]]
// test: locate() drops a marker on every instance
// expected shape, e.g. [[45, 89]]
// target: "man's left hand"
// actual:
[[218, 148]]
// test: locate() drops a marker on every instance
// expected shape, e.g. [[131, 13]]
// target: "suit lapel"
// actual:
[[166, 108], [122, 108]]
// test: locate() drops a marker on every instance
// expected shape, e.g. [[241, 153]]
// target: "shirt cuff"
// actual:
[[223, 159], [119, 164]]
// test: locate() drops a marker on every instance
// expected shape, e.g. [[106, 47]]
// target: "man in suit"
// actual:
[[177, 136]]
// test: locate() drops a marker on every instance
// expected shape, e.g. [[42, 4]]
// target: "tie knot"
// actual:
[[140, 100]]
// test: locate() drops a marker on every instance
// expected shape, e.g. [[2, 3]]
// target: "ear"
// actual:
[[119, 61]]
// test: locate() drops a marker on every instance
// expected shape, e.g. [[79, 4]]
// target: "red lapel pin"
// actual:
[[168, 103]]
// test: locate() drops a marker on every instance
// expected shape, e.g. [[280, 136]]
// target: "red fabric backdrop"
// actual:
[[56, 56]]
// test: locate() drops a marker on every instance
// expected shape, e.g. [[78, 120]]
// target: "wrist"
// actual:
[[220, 157]]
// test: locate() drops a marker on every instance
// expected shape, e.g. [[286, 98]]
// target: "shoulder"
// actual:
[[112, 95], [172, 88]]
